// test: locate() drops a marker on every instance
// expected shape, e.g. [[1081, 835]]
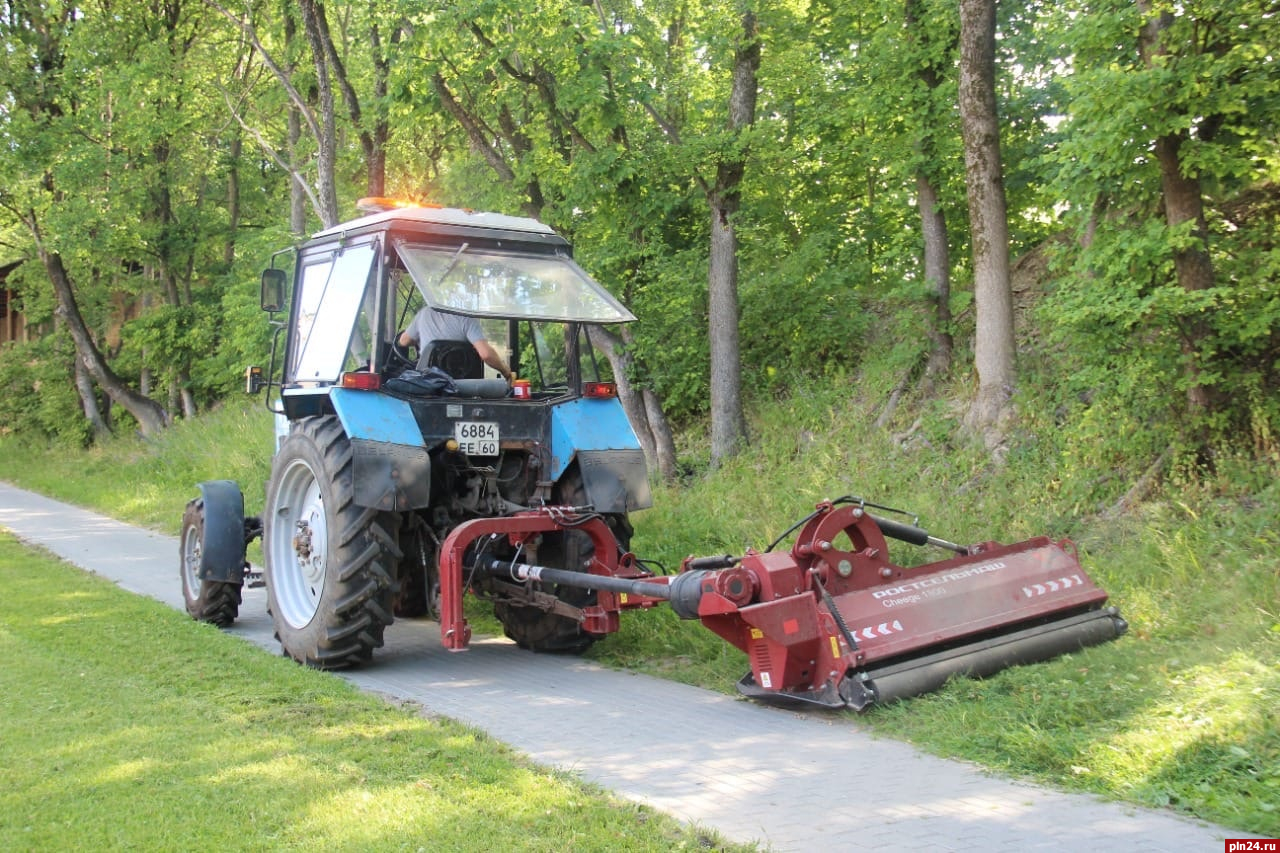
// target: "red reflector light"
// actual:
[[362, 381], [599, 389]]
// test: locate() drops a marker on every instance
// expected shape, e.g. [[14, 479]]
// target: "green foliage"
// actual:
[[824, 327], [1117, 290], [39, 399], [611, 120]]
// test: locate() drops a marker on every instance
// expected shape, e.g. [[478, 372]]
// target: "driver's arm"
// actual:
[[491, 357]]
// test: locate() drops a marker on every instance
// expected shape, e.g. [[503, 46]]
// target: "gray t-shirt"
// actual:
[[431, 325]]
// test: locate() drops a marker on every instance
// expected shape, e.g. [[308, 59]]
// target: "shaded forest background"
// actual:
[[1065, 214]]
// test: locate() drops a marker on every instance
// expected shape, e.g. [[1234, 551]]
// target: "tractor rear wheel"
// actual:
[[329, 563], [538, 630], [215, 602]]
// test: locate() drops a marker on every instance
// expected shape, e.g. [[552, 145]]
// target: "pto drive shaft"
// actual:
[[683, 591]]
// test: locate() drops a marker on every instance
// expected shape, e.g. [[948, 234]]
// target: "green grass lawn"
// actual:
[[126, 725]]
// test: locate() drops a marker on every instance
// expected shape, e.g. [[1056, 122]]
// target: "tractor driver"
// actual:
[[431, 325]]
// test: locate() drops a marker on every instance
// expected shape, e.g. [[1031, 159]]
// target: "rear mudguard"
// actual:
[[597, 434], [222, 546], [391, 469]]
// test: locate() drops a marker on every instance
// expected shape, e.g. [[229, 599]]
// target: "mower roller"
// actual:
[[832, 622]]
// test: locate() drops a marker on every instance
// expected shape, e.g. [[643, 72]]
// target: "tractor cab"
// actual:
[[364, 281]]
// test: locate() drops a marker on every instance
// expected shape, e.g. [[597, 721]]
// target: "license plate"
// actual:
[[476, 438]]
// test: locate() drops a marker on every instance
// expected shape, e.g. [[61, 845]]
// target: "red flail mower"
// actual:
[[832, 622]]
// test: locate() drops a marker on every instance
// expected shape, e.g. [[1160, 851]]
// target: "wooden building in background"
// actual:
[[13, 326]]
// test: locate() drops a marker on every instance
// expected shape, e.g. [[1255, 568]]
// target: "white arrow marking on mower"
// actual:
[[884, 629], [1053, 586]]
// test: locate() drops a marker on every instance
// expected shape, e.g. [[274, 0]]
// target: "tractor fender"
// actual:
[[391, 469], [222, 544], [597, 435]]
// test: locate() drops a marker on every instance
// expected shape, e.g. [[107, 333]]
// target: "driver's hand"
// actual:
[[400, 348]]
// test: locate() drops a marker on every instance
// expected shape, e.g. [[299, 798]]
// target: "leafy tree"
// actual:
[[46, 127], [1170, 148], [560, 119]]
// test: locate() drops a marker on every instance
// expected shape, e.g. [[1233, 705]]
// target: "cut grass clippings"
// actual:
[[126, 725]]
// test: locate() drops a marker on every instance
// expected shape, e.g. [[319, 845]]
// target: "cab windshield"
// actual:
[[489, 283], [553, 355]]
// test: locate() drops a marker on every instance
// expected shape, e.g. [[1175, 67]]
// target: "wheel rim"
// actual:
[[191, 560], [299, 545]]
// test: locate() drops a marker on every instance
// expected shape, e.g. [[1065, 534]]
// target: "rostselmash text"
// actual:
[[938, 580]]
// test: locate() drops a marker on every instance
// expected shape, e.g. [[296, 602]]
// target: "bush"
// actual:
[[40, 396]]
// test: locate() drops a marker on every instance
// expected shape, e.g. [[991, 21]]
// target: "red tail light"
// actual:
[[599, 390], [362, 381]]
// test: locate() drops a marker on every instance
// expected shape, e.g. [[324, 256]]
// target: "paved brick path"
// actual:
[[789, 781]]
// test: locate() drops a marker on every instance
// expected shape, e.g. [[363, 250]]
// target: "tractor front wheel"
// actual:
[[207, 601], [329, 563]]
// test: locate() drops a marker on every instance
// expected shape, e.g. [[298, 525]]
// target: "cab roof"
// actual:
[[451, 219]]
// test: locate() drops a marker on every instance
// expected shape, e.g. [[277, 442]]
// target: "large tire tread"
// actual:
[[215, 602], [220, 604], [354, 609]]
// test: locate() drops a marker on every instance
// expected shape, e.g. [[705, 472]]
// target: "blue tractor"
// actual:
[[381, 452]]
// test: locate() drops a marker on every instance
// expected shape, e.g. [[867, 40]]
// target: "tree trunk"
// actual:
[[185, 397], [89, 401], [151, 417], [933, 220], [372, 144], [1183, 203], [937, 275], [382, 124], [297, 192], [233, 197], [728, 424], [994, 351], [327, 143], [664, 442]]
